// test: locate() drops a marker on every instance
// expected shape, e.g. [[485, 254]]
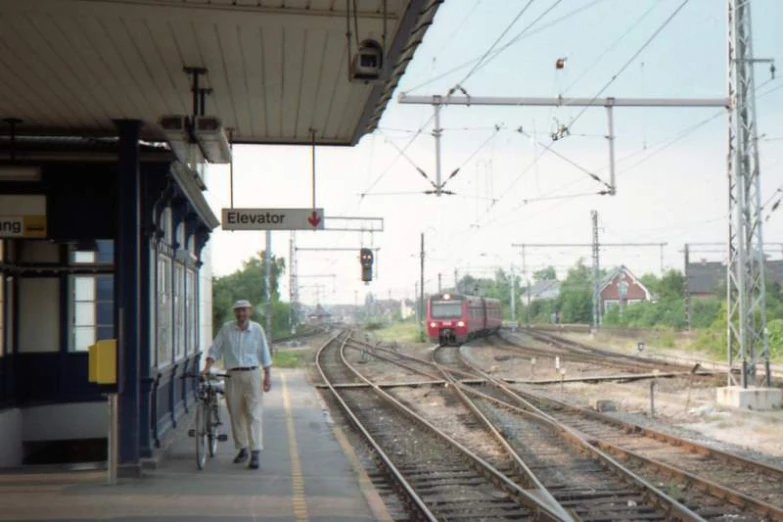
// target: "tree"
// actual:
[[671, 286], [575, 301], [545, 274], [249, 282]]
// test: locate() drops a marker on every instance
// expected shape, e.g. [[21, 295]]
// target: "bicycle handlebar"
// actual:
[[205, 376]]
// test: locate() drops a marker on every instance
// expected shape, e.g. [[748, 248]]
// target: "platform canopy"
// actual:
[[277, 68]]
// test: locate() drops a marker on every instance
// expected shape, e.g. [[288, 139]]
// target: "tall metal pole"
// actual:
[[436, 133], [456, 281], [596, 270], [747, 339], [416, 298], [513, 300], [421, 287], [292, 282], [610, 137], [440, 282], [527, 278], [687, 288], [268, 279]]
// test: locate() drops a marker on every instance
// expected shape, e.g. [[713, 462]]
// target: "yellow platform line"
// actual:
[[297, 480]]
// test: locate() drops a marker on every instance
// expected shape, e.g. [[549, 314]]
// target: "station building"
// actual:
[[104, 227]]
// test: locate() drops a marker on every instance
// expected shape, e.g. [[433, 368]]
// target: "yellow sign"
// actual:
[[23, 216], [23, 226], [103, 362]]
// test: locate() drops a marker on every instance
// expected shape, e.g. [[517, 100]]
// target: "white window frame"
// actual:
[[163, 343], [179, 310], [88, 303], [191, 310]]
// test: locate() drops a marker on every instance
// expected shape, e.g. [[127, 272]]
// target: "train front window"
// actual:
[[446, 309]]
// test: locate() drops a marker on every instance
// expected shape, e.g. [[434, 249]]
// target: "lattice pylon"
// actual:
[[747, 341]]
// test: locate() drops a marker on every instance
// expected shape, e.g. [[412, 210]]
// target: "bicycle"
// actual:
[[207, 416]]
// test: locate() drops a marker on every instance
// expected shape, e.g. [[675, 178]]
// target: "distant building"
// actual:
[[707, 279], [704, 279], [319, 316], [621, 288]]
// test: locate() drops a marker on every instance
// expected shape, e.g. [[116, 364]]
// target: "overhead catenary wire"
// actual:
[[633, 57], [520, 36], [483, 63], [412, 163], [611, 80], [611, 47], [497, 40]]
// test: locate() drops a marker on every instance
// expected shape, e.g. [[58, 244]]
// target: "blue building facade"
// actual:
[[122, 257]]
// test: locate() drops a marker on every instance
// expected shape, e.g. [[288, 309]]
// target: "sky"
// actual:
[[671, 163]]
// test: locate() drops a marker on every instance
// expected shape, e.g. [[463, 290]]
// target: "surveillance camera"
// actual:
[[368, 62]]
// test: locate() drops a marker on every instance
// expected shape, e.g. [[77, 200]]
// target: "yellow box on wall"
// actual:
[[103, 362]]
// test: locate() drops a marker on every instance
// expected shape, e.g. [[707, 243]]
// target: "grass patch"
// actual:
[[286, 359], [399, 332]]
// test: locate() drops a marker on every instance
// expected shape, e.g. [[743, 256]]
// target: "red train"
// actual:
[[454, 318]]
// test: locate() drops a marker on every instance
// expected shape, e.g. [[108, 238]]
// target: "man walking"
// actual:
[[242, 346]]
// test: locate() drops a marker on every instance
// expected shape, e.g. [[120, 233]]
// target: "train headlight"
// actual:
[[461, 324], [433, 325]]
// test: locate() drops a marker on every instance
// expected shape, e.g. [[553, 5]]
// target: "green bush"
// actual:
[[775, 328]]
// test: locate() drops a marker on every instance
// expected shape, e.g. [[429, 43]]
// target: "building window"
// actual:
[[92, 298], [190, 310], [92, 310], [179, 310], [164, 311]]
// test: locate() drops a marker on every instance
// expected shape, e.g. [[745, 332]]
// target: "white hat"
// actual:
[[242, 303]]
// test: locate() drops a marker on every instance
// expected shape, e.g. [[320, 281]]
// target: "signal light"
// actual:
[[366, 259]]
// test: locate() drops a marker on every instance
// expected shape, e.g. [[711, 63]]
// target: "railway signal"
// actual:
[[366, 260]]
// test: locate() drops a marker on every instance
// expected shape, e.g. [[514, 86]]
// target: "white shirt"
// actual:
[[241, 348]]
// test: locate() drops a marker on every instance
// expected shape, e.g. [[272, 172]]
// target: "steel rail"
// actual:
[[714, 489], [575, 435], [570, 435], [651, 433], [581, 354], [398, 477], [520, 495], [519, 465], [656, 496], [591, 351]]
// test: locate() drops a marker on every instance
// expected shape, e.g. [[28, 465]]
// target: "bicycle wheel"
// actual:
[[202, 424], [213, 436]]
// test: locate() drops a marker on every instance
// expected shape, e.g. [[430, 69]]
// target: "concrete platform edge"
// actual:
[[374, 502]]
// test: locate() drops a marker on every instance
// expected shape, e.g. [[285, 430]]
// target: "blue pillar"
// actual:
[[127, 291]]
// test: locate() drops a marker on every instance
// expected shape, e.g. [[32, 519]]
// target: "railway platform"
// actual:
[[308, 473]]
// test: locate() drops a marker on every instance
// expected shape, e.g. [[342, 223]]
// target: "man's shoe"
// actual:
[[241, 456], [254, 458]]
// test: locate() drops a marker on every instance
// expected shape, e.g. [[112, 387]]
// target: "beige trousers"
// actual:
[[245, 400]]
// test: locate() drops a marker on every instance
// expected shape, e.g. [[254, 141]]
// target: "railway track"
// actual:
[[579, 477], [576, 352], [690, 470], [436, 477], [714, 484], [693, 469], [585, 486]]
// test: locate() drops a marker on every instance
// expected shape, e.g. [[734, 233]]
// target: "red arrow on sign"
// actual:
[[314, 219]]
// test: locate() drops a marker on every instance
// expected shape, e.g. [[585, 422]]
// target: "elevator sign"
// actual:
[[273, 219], [23, 216]]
